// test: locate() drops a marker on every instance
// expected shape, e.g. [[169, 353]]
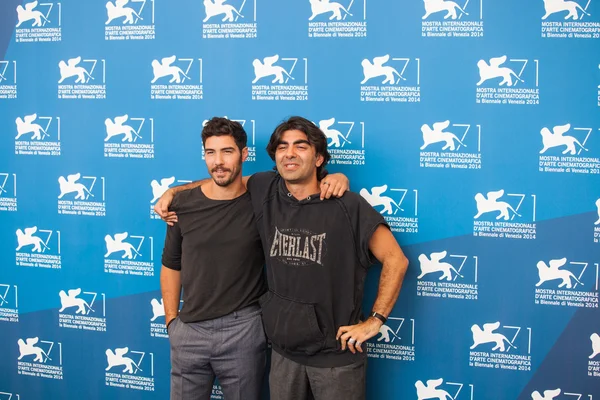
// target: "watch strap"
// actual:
[[380, 317]]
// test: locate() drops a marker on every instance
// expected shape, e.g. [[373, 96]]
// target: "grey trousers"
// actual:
[[289, 380], [232, 348]]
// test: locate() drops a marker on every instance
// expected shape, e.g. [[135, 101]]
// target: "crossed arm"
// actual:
[[385, 248], [336, 185]]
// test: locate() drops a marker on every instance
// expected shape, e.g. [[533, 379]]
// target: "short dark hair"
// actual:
[[219, 126], [315, 137]]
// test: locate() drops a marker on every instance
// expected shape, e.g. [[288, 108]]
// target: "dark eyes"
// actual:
[[298, 146], [211, 152]]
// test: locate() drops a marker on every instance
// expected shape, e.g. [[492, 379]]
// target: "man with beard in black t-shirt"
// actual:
[[214, 252]]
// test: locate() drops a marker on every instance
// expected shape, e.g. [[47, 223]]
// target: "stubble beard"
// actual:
[[224, 182]]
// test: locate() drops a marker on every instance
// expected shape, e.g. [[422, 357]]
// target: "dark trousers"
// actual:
[[289, 380], [231, 348]]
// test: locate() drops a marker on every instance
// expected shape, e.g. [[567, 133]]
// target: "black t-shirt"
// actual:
[[317, 256], [217, 248]]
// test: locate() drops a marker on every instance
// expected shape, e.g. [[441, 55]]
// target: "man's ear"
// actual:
[[244, 154], [320, 160]]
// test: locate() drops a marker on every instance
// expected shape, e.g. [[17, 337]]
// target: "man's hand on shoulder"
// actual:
[[162, 207], [334, 185]]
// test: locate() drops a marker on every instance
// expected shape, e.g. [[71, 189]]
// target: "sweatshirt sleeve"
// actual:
[[365, 220]]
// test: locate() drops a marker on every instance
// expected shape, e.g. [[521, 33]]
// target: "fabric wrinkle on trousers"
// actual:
[[231, 348], [289, 380]]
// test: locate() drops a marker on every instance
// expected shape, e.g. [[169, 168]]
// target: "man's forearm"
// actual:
[[188, 186], [170, 287], [392, 275], [390, 282]]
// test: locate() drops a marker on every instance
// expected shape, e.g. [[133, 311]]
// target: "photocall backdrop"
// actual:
[[472, 127]]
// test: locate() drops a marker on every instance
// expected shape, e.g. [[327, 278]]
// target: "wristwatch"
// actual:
[[380, 317]]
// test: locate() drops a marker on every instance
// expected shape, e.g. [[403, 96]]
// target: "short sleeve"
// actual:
[[175, 204], [366, 220], [258, 187], [171, 257]]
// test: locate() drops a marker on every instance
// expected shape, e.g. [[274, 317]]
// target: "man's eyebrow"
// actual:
[[224, 148], [301, 141]]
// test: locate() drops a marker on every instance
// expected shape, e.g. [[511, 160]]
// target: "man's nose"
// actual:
[[290, 152]]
